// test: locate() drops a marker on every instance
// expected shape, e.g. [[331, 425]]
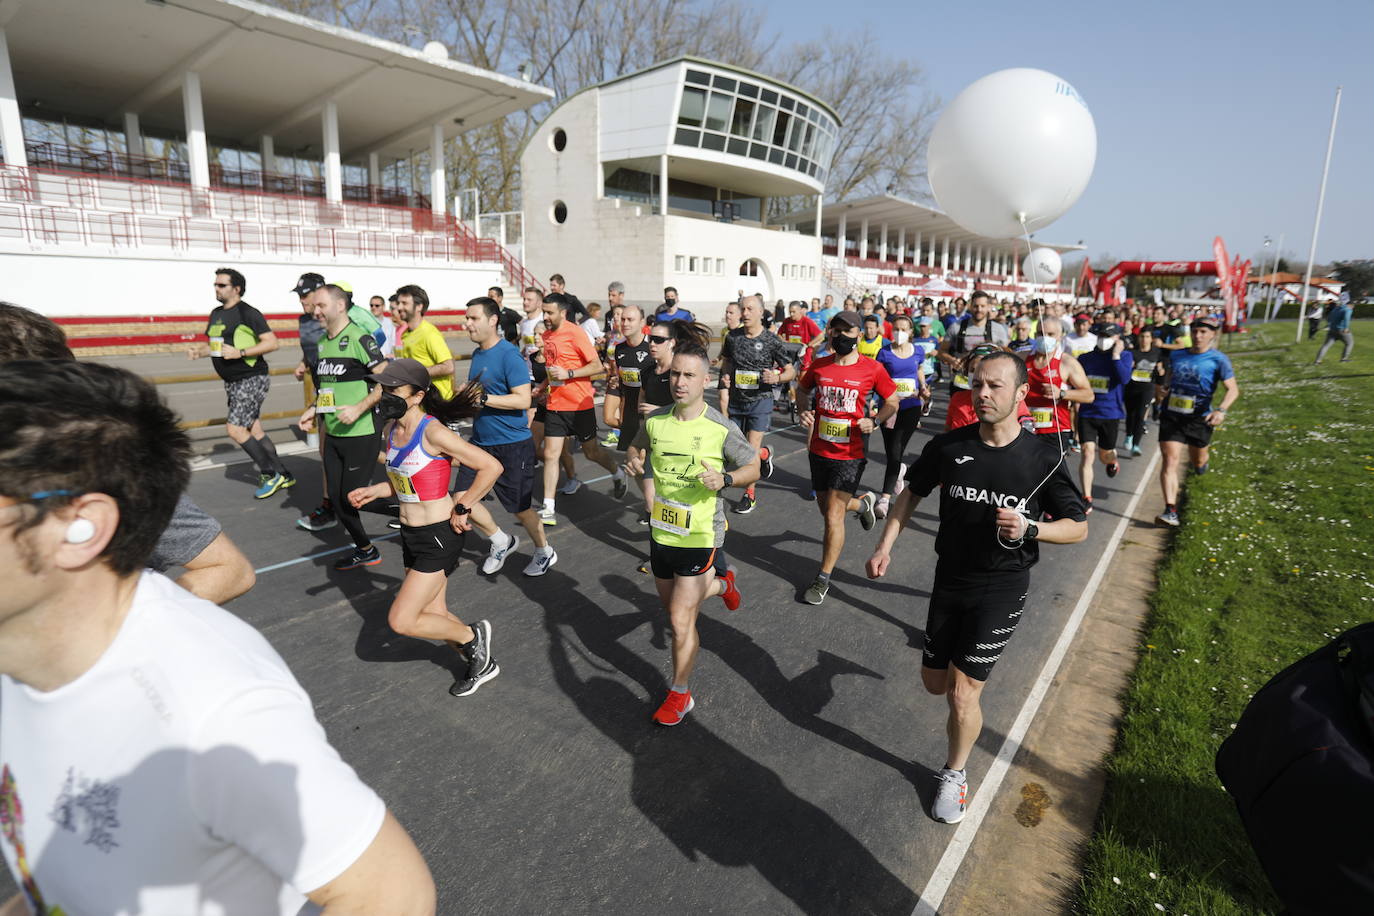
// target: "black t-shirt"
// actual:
[[632, 364], [975, 479], [749, 357], [240, 327], [656, 389]]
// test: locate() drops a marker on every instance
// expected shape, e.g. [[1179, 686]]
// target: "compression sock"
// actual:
[[270, 448], [255, 450]]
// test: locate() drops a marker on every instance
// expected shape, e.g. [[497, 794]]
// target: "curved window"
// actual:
[[559, 139], [559, 212]]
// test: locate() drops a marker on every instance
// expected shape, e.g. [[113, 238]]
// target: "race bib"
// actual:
[[1098, 382], [324, 401], [1181, 403], [1042, 417], [630, 378], [747, 379], [671, 516], [1140, 375], [906, 387], [833, 430], [795, 338], [216, 346], [961, 381], [405, 490]]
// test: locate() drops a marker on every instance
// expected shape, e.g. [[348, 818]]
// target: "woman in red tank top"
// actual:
[[419, 453], [1056, 379]]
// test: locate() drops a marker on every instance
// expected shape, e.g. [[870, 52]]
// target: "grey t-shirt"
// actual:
[[188, 533]]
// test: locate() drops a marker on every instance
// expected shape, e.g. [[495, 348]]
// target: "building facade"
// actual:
[[665, 177]]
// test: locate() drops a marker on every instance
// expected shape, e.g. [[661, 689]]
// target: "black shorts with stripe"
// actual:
[[431, 548], [972, 618]]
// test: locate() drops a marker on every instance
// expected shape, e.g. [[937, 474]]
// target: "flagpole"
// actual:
[[1273, 307], [1321, 199]]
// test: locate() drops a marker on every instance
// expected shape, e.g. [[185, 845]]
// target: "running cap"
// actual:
[[1107, 330], [924, 320], [344, 286], [308, 283], [848, 317], [1082, 316], [1206, 321], [402, 371]]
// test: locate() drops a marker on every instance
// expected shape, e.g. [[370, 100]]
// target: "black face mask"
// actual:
[[843, 345], [392, 406]]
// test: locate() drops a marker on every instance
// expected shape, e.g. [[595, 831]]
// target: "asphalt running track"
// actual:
[[801, 781]]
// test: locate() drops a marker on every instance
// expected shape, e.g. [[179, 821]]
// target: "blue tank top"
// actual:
[[903, 372]]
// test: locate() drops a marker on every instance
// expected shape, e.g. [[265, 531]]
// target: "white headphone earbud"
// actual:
[[80, 531]]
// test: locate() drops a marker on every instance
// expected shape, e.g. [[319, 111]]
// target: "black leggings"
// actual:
[[1138, 398], [348, 464], [895, 441]]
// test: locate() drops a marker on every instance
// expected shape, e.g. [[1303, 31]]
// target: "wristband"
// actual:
[[729, 481], [460, 509]]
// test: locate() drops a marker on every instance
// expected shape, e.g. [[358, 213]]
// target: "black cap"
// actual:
[[402, 371], [850, 318], [1207, 321], [308, 283]]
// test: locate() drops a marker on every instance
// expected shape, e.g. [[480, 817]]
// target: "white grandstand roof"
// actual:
[[900, 213], [262, 71]]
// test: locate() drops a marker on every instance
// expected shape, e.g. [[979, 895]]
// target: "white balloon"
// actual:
[[1042, 265], [1016, 143]]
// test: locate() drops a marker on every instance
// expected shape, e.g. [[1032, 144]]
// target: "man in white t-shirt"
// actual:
[[378, 306], [532, 325], [156, 754], [1082, 340]]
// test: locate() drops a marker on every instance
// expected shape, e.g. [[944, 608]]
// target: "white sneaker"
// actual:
[[497, 558], [880, 509], [541, 561], [571, 487], [901, 480], [547, 517]]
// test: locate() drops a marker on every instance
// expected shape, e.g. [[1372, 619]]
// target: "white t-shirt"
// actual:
[[184, 773], [530, 331], [388, 328], [1078, 344], [594, 329]]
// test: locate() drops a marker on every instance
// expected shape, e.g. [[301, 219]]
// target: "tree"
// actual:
[[1358, 277]]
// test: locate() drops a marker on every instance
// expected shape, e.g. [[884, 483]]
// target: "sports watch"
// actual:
[[1032, 530], [460, 509], [729, 481]]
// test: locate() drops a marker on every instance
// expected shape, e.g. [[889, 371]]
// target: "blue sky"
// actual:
[[1211, 117]]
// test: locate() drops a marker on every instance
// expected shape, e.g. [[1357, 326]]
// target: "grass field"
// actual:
[[1272, 561]]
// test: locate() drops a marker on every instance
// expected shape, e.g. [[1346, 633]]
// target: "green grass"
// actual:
[[1272, 561]]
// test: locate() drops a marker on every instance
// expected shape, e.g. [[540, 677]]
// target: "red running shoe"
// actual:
[[675, 708], [731, 595]]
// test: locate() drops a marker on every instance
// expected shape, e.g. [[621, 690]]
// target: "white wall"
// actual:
[[638, 116], [707, 293], [61, 283]]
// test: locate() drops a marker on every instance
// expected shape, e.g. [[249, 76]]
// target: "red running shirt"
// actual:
[[841, 400], [960, 411], [799, 330], [1049, 416]]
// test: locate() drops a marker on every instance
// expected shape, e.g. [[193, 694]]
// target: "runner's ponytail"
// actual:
[[465, 403]]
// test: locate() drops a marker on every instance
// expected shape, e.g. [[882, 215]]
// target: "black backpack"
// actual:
[[1300, 768]]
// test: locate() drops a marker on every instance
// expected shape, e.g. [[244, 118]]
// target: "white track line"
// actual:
[[948, 866]]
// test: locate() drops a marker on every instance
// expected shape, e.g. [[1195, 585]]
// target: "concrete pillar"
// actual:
[[438, 187], [842, 242], [333, 167], [133, 136], [863, 238], [194, 115], [930, 254], [978, 261], [882, 243], [374, 169], [958, 255], [944, 256], [268, 147], [901, 245], [11, 125], [820, 201], [663, 184]]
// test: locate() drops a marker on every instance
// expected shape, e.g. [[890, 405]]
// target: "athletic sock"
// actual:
[[823, 578], [270, 448], [500, 540], [255, 450], [548, 503], [1170, 507], [948, 767], [679, 688], [545, 550], [749, 492]]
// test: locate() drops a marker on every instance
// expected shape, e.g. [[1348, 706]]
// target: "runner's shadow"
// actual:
[[711, 800], [376, 641]]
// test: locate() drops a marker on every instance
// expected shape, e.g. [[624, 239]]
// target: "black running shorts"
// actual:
[[841, 474], [515, 487], [972, 618], [1184, 427], [576, 424], [666, 562], [431, 548], [1101, 433]]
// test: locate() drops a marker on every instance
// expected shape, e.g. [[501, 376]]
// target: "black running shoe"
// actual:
[[745, 505], [620, 484], [467, 685], [320, 518], [368, 556], [478, 652], [1113, 469], [767, 463]]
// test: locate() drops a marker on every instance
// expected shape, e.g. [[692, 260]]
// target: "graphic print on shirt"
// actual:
[[12, 824]]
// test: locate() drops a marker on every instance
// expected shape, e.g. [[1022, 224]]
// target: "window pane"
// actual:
[[794, 137], [749, 89], [758, 151], [712, 141], [763, 123], [687, 137], [693, 107], [769, 96], [718, 111], [739, 147], [780, 132], [788, 102], [723, 82], [775, 156], [696, 76], [744, 114], [808, 140], [802, 110]]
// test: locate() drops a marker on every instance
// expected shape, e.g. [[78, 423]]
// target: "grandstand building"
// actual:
[[147, 142]]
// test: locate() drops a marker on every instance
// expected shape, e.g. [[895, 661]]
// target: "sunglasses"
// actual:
[[658, 339], [221, 286]]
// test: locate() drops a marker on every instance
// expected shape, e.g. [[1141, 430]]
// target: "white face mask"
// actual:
[[901, 337], [1106, 343]]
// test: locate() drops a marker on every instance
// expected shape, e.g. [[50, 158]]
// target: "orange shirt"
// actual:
[[569, 348]]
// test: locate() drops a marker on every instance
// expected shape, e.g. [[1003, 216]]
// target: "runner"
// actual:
[[1082, 340], [872, 342], [1190, 378], [239, 338], [1338, 328], [904, 362], [799, 330], [377, 305], [1056, 382], [960, 411], [157, 754], [839, 426], [1108, 369], [670, 310], [421, 341], [419, 460], [1146, 372], [929, 341], [994, 477], [695, 453], [1022, 341], [752, 361], [963, 334], [343, 406], [500, 430], [570, 361]]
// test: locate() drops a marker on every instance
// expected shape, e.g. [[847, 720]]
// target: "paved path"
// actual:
[[799, 783]]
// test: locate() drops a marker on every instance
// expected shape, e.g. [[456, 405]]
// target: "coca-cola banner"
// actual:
[[1106, 285]]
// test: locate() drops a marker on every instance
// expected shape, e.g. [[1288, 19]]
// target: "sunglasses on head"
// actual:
[[659, 339]]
